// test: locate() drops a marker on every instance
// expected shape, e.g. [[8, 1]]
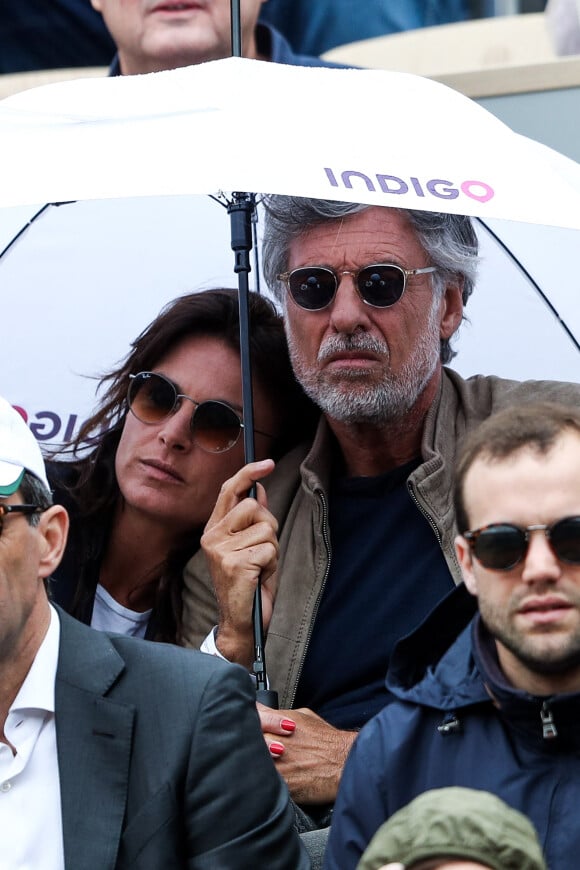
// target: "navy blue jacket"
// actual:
[[52, 34], [314, 26], [444, 730]]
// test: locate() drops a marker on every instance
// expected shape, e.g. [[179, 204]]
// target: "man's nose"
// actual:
[[348, 311], [541, 563]]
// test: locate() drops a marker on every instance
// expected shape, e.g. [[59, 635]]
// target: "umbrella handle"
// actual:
[[264, 695], [241, 210]]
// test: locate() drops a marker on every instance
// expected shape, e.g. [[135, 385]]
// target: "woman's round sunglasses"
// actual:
[[215, 426], [502, 546], [380, 284]]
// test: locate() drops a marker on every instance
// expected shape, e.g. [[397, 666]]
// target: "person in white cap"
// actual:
[[124, 753]]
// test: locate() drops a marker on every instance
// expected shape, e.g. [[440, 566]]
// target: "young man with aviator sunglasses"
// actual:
[[496, 708]]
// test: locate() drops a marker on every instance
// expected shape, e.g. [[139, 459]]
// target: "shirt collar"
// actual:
[[37, 690]]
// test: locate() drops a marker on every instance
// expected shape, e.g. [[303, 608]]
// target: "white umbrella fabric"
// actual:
[[362, 135], [81, 283], [365, 135]]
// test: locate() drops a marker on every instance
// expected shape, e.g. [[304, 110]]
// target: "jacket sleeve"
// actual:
[[237, 811], [360, 809], [200, 610]]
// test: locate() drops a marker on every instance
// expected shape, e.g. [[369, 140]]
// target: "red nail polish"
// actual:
[[276, 749], [288, 724]]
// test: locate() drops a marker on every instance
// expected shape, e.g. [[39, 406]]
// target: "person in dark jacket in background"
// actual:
[[497, 708], [153, 36], [52, 34], [315, 27], [164, 438]]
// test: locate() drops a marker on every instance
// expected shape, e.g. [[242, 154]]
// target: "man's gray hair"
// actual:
[[33, 491], [449, 240]]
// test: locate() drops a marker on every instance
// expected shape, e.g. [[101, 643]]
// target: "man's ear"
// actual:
[[451, 309], [96, 4], [465, 559], [53, 527]]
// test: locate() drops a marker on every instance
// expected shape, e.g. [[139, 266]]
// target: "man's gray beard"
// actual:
[[353, 397]]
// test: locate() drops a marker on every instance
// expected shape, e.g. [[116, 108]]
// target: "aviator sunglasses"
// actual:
[[215, 426], [379, 285], [502, 546], [17, 509]]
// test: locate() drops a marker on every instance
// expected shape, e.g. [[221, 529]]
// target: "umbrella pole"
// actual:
[[241, 210], [236, 25]]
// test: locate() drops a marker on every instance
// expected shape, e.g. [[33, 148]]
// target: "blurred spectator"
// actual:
[[52, 34], [152, 35], [315, 26], [455, 825], [563, 21]]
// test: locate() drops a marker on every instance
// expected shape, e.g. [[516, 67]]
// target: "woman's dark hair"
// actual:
[[215, 313]]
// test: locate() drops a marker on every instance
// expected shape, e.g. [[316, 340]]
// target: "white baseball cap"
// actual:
[[19, 451]]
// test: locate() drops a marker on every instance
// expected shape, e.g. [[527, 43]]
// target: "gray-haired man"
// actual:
[[362, 545]]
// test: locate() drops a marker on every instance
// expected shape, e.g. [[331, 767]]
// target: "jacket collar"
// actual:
[[450, 662], [551, 720], [431, 484], [424, 647], [317, 466]]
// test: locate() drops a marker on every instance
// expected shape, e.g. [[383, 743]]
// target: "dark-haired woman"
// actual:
[[164, 438]]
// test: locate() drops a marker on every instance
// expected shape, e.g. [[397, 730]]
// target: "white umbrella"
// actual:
[[372, 136], [364, 135]]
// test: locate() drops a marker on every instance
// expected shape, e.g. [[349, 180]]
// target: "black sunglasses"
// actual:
[[215, 426], [379, 285], [502, 546], [17, 509]]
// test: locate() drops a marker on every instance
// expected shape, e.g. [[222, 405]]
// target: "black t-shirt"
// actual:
[[387, 572]]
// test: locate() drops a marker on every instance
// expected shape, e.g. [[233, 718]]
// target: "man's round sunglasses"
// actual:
[[215, 426], [379, 285], [502, 546], [17, 509]]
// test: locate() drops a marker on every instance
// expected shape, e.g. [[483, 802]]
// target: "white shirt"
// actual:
[[30, 811], [109, 615], [209, 645]]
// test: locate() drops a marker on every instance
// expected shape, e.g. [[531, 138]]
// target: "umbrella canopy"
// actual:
[[82, 282], [364, 135], [370, 136]]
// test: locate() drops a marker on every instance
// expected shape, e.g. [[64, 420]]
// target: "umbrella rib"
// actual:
[[532, 281], [29, 223]]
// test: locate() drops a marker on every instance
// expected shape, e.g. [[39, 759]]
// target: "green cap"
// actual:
[[460, 823]]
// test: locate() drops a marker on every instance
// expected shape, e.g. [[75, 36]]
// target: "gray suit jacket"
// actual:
[[162, 762]]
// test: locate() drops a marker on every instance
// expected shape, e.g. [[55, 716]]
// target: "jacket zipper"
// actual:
[[549, 730], [433, 525], [326, 539]]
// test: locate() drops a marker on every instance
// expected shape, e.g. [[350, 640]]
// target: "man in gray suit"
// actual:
[[126, 754]]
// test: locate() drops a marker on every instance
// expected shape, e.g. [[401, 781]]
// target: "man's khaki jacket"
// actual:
[[297, 496]]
